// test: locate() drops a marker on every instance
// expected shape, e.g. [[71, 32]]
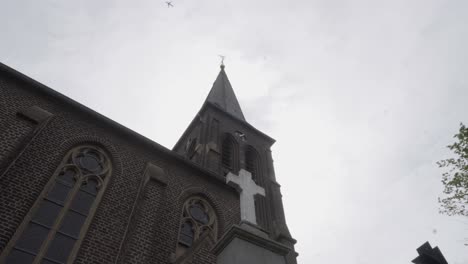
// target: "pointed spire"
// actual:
[[222, 95]]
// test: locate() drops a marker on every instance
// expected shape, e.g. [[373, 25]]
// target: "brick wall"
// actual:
[[154, 226]]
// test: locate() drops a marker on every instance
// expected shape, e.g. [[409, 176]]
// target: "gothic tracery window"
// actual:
[[198, 220], [51, 230]]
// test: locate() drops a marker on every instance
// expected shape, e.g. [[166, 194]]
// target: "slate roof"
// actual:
[[223, 96]]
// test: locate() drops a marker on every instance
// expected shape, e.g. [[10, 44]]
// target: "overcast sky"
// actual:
[[361, 96]]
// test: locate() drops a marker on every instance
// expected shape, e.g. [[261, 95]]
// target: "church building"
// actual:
[[77, 187]]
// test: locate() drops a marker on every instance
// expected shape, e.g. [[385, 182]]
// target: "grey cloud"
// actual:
[[377, 88]]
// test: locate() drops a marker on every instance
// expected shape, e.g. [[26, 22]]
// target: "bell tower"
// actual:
[[221, 140]]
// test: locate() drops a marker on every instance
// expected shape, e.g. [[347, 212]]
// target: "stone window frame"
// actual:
[[69, 161], [201, 231]]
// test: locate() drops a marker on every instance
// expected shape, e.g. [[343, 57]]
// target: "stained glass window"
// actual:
[[198, 219], [186, 233], [61, 213]]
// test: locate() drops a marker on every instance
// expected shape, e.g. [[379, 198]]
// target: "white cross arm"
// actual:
[[247, 189]]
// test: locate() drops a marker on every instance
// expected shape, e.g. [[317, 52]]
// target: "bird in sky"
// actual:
[[169, 4]]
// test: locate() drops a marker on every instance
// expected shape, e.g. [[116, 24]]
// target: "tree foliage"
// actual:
[[455, 179]]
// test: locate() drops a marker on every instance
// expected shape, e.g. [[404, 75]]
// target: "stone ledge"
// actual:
[[156, 173], [237, 231], [35, 114]]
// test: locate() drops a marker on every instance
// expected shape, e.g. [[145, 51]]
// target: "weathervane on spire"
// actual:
[[222, 60]]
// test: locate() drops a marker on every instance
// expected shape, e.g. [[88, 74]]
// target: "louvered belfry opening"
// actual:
[[251, 163], [228, 149], [229, 155]]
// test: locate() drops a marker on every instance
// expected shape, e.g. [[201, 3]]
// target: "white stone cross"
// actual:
[[248, 189]]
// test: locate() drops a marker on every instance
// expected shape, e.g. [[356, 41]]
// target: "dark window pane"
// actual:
[[82, 202], [187, 229], [186, 234], [90, 186], [72, 223], [58, 192], [67, 176], [19, 257], [47, 213], [32, 237], [90, 162], [186, 240], [60, 248], [197, 213]]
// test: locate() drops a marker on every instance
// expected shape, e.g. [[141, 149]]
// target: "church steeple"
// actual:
[[222, 95], [220, 140]]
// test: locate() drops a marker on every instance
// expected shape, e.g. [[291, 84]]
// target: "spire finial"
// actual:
[[222, 94], [222, 61]]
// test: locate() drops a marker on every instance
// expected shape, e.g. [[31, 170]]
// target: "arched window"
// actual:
[[229, 153], [252, 164], [55, 225], [198, 221]]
